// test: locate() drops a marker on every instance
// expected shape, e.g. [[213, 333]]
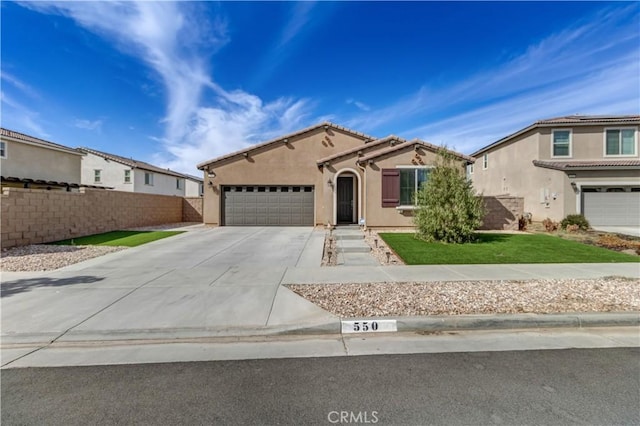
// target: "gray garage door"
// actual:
[[612, 208], [268, 205]]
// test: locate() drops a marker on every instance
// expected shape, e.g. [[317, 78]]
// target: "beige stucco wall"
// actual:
[[34, 162], [111, 173], [587, 143], [293, 163], [375, 214], [511, 171]]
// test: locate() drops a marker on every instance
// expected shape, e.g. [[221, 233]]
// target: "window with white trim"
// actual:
[[97, 174], [148, 178], [178, 183], [620, 142], [3, 149], [411, 180], [485, 162], [470, 169], [561, 143], [127, 176]]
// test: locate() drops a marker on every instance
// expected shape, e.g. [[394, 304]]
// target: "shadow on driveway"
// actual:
[[9, 288]]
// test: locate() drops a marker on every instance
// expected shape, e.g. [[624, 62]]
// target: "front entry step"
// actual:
[[351, 248]]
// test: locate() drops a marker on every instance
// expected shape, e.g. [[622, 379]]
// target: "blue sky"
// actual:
[[179, 83]]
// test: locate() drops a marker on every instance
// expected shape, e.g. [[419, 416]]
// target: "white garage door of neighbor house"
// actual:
[[283, 205], [612, 208]]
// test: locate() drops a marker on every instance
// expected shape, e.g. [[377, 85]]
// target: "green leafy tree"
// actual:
[[448, 208]]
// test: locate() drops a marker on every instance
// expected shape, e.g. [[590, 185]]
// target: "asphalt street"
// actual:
[[574, 386]]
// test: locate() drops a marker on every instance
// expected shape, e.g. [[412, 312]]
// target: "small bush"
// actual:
[[550, 225], [575, 219], [522, 223], [573, 228]]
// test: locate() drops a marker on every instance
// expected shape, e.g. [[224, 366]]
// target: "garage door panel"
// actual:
[[612, 208], [277, 206]]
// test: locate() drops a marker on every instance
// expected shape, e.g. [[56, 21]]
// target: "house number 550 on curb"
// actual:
[[369, 326]]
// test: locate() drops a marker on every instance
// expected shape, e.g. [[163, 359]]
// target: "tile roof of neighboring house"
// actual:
[[13, 179], [591, 119], [326, 124], [575, 120], [375, 143], [132, 163], [412, 143], [192, 177], [568, 165], [37, 141]]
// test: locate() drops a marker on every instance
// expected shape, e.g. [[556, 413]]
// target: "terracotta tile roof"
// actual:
[[132, 163], [412, 143], [574, 120], [280, 139], [568, 165], [13, 179], [591, 119], [32, 139], [391, 139]]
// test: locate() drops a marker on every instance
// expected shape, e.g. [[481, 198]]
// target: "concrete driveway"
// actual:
[[198, 283]]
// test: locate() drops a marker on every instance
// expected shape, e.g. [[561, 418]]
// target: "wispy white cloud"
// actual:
[[202, 119], [360, 105], [88, 124], [16, 112], [591, 67]]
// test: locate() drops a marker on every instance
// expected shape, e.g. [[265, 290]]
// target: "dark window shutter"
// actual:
[[390, 187]]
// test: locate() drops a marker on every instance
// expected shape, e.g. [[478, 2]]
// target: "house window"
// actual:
[[620, 142], [485, 162], [561, 143], [148, 178], [470, 169], [127, 176], [96, 176], [400, 186], [201, 189], [178, 183], [3, 150]]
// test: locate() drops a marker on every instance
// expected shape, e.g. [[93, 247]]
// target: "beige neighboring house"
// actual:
[[127, 174], [324, 174], [194, 186], [30, 162], [576, 164]]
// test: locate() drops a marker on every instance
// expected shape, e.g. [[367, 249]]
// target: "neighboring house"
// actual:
[[324, 174], [30, 162], [194, 186], [127, 174], [567, 165]]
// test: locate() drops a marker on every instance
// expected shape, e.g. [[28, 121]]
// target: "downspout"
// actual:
[[363, 196]]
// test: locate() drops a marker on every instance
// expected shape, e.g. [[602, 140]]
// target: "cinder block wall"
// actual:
[[33, 216], [192, 209], [502, 212]]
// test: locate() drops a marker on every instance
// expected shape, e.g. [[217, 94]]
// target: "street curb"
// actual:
[[514, 321], [404, 324]]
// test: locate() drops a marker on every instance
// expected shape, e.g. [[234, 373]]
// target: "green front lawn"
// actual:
[[501, 248], [119, 238]]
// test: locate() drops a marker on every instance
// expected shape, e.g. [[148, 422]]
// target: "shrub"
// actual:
[[448, 208], [550, 225], [573, 228], [575, 219]]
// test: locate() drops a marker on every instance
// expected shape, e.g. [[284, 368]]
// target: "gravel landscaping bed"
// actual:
[[41, 257], [164, 227], [611, 294]]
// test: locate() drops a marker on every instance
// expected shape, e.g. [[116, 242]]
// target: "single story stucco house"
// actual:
[[324, 174]]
